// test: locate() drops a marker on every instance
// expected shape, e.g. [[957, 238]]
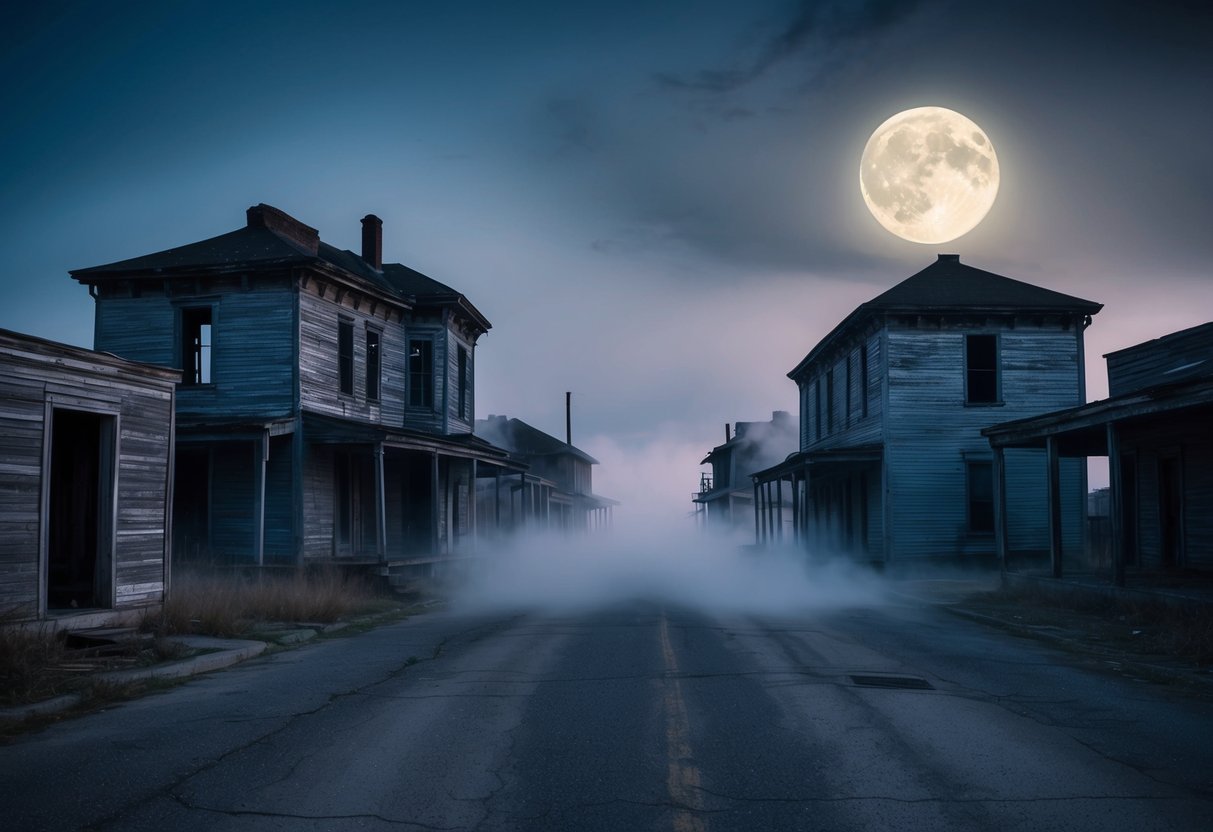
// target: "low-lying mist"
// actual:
[[565, 573]]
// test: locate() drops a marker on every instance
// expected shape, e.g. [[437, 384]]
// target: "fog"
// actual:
[[573, 573]]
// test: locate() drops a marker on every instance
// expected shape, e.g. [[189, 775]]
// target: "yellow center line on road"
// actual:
[[682, 781]]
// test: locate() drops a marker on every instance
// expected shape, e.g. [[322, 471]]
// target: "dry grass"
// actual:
[[230, 604], [28, 657], [1146, 628]]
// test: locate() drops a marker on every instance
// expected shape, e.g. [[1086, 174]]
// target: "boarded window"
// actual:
[[421, 373], [463, 383], [981, 496], [196, 345], [372, 365], [345, 356], [981, 367]]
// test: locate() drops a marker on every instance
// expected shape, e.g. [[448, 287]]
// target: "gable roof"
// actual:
[[948, 286], [518, 437]]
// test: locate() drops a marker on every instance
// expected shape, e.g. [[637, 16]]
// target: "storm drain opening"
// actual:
[[899, 682]]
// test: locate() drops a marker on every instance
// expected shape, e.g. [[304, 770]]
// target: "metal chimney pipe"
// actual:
[[727, 432], [568, 418]]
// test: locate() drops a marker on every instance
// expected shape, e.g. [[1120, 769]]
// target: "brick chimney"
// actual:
[[372, 241], [284, 225]]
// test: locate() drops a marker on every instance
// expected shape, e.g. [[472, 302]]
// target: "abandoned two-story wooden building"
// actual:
[[725, 499], [893, 467], [327, 401]]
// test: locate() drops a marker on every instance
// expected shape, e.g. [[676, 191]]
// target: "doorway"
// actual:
[[1170, 511], [80, 511]]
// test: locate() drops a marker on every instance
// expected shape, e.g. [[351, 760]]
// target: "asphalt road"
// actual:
[[638, 716]]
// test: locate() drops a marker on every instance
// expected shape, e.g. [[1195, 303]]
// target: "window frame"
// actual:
[[374, 364], [416, 374], [969, 370], [197, 358], [462, 368], [345, 358]]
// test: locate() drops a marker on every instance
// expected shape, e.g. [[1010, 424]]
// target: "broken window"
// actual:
[[421, 373], [345, 356], [981, 496], [196, 345], [372, 365], [981, 369]]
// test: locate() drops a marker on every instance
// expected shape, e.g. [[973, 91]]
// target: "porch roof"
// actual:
[[331, 430], [825, 457], [1081, 430]]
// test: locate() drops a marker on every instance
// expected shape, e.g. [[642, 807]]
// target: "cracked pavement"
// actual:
[[634, 716]]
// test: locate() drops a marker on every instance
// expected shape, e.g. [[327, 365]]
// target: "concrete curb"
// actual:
[[227, 653]]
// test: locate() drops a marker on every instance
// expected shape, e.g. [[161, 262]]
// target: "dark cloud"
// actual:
[[821, 27]]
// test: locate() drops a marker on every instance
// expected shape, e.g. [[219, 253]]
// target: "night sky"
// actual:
[[656, 204]]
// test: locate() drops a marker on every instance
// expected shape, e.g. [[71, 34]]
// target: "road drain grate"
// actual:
[[900, 682]]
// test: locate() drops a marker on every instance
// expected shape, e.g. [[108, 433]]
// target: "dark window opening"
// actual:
[[196, 345], [817, 409], [981, 365], [850, 375], [981, 496], [829, 401], [463, 383], [421, 373], [372, 365], [863, 380], [345, 356]]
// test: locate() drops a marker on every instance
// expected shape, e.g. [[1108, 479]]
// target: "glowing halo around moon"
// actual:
[[929, 175]]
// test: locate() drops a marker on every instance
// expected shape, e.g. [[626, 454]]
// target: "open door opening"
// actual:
[[79, 570]]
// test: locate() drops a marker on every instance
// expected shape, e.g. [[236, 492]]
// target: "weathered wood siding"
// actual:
[[252, 344], [318, 467], [850, 427], [459, 422], [1175, 357], [279, 503], [318, 363], [931, 433], [37, 377]]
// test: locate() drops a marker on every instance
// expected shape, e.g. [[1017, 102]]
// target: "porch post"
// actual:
[[779, 509], [380, 506], [261, 452], [435, 505], [1116, 506], [1000, 509], [795, 508], [757, 529], [497, 501], [1054, 505], [472, 508]]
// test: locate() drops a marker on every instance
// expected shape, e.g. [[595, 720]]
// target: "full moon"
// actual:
[[929, 175]]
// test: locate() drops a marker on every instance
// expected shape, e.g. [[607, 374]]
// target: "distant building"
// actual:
[[85, 470], [327, 398], [893, 467], [725, 499], [1154, 427], [556, 491]]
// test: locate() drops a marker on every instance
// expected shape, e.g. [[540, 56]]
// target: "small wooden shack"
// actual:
[[1154, 429], [86, 450]]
